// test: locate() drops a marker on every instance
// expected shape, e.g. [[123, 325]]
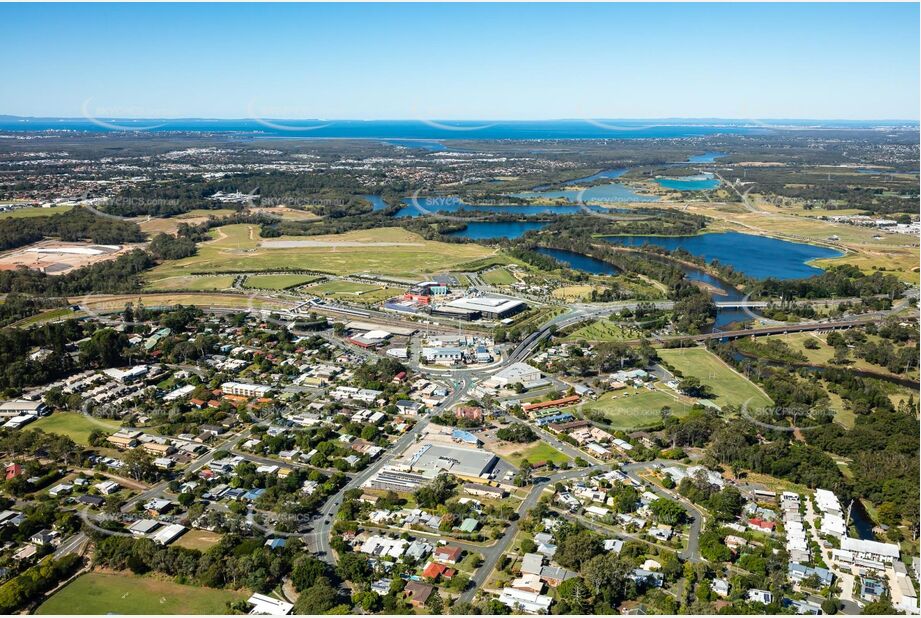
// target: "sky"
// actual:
[[461, 61]]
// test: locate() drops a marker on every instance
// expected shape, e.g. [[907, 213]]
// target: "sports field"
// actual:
[[364, 293], [499, 276], [117, 593], [634, 408], [730, 387], [193, 284], [389, 251], [74, 425], [277, 282]]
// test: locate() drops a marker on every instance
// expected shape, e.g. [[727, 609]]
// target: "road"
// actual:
[[695, 515], [328, 511], [491, 555], [157, 490], [72, 545]]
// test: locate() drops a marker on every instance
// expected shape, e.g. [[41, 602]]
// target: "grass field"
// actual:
[[573, 292], [730, 387], [47, 316], [825, 353], [193, 284], [277, 282], [635, 408], [75, 426], [236, 248], [539, 452], [364, 293], [206, 212], [24, 213], [603, 330], [201, 540], [107, 302], [114, 593], [499, 276]]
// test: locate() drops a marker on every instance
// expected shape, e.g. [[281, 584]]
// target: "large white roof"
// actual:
[[870, 547]]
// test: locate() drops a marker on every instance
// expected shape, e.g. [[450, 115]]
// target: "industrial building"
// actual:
[[481, 307], [432, 459]]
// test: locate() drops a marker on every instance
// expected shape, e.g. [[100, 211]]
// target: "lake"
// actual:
[[602, 175], [700, 182], [759, 257], [454, 205], [707, 157], [605, 193], [481, 230], [417, 144], [578, 261], [377, 202]]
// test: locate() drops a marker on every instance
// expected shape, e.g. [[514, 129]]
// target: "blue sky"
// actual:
[[496, 61]]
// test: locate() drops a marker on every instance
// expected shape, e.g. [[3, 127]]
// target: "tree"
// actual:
[[317, 599], [139, 464], [577, 548], [831, 606], [435, 603], [667, 511], [606, 575]]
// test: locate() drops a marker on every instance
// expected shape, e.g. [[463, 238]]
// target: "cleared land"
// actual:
[[730, 387], [537, 453], [57, 258], [277, 282], [573, 292], [635, 408], [201, 540], [37, 211], [604, 330], [116, 593], [116, 302], [236, 248], [75, 426]]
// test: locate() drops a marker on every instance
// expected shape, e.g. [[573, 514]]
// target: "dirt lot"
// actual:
[[58, 258]]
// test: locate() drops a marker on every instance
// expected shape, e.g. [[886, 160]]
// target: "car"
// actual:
[[326, 521]]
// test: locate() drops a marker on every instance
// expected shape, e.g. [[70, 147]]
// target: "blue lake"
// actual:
[[453, 205], [701, 182], [417, 144], [707, 157], [756, 256], [377, 202], [602, 175], [481, 230], [607, 193], [578, 261]]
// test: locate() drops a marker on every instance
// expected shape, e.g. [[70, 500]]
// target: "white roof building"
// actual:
[[873, 550], [528, 602], [168, 534], [513, 374], [267, 606]]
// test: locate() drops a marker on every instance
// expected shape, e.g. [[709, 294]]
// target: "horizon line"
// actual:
[[557, 119]]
